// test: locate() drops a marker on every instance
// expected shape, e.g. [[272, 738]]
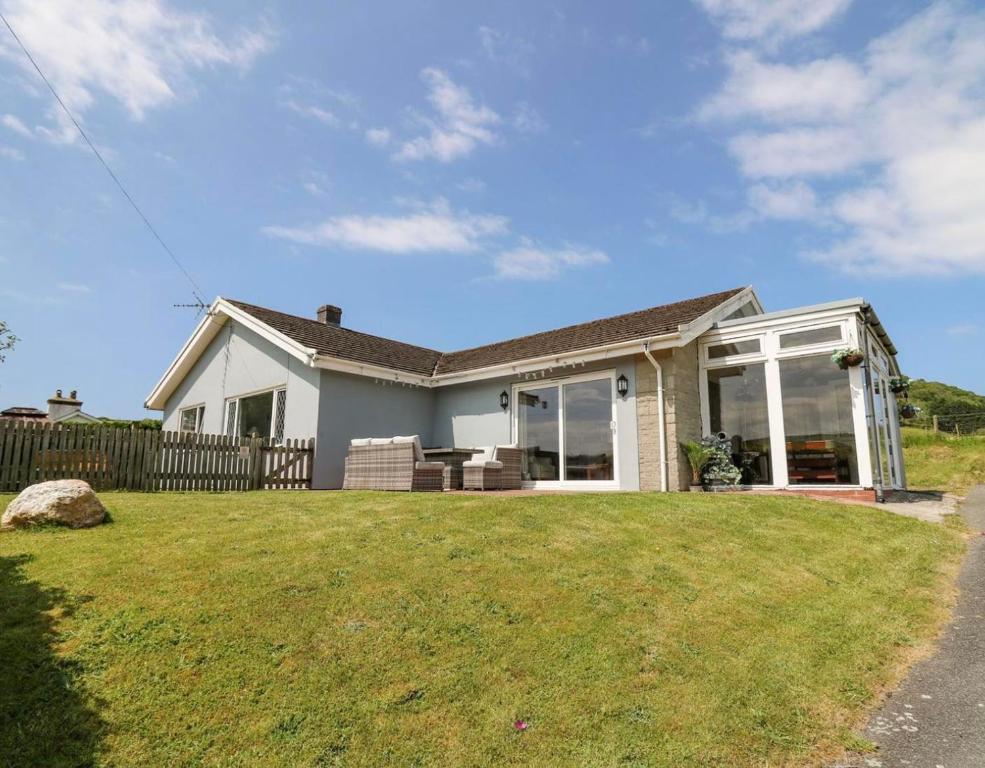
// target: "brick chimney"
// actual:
[[330, 315], [60, 406]]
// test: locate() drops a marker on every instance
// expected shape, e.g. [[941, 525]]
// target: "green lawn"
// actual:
[[359, 629], [942, 462]]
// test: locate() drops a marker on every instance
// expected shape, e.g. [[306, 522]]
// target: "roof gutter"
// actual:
[[661, 416], [577, 357]]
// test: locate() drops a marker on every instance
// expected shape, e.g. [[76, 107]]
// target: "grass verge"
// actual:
[[360, 629], [943, 462]]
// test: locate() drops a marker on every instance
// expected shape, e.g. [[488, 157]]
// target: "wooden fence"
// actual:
[[147, 460]]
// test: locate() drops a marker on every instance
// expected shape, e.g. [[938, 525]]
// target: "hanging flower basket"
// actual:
[[909, 411], [899, 385], [847, 358]]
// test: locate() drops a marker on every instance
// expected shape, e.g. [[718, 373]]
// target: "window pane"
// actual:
[[255, 414], [588, 431], [737, 407], [539, 434], [279, 417], [817, 417], [812, 336], [231, 418], [189, 420], [747, 347]]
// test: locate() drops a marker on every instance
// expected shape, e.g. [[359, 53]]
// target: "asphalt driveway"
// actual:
[[937, 717]]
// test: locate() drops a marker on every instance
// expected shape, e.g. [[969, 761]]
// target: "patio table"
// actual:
[[453, 459]]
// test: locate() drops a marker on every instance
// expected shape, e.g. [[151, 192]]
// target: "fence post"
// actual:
[[936, 424]]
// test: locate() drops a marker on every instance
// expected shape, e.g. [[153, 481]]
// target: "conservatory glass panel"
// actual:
[[747, 347], [810, 336], [737, 407], [818, 421]]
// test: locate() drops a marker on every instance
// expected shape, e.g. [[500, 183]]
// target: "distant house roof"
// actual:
[[24, 413], [325, 344]]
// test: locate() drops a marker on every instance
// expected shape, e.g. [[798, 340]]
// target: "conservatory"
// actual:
[[800, 411]]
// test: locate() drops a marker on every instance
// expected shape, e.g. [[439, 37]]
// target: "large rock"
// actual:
[[61, 502]]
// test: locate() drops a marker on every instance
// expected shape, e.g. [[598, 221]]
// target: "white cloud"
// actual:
[[790, 201], [15, 124], [140, 54], [313, 111], [798, 151], [898, 135], [527, 120], [821, 90], [73, 288], [509, 50], [458, 126], [434, 228], [529, 261], [471, 184], [378, 137], [963, 329], [312, 188], [10, 153], [772, 19]]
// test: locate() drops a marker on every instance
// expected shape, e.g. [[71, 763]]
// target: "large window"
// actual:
[[817, 419], [260, 415], [565, 430], [737, 407]]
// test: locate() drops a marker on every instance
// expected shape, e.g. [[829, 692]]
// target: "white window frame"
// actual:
[[273, 411], [558, 383], [199, 409], [770, 356]]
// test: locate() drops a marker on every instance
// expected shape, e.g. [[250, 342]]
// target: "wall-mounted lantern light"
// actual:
[[622, 385], [504, 400]]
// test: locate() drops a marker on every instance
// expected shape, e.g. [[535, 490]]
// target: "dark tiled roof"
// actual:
[[362, 347], [347, 344], [643, 324]]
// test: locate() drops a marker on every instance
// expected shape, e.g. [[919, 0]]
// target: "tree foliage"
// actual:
[[7, 339]]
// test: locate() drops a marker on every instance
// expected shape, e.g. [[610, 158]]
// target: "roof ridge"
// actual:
[[320, 324]]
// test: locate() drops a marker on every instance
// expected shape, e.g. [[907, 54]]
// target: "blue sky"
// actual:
[[456, 173]]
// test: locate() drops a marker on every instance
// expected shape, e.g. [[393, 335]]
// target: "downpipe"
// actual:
[[661, 418]]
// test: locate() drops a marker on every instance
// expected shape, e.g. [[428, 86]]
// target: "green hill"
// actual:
[[942, 399]]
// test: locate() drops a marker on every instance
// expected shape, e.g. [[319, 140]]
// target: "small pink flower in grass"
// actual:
[[521, 725]]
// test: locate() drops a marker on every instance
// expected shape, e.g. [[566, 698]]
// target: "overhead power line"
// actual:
[[196, 291]]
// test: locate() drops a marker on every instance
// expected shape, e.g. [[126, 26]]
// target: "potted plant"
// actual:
[[899, 385], [847, 358], [908, 411], [720, 469], [698, 456]]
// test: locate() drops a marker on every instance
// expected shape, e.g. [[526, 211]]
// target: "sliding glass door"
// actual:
[[566, 430]]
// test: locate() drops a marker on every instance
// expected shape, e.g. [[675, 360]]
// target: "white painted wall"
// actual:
[[359, 406], [238, 362]]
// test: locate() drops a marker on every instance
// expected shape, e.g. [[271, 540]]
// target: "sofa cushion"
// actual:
[[496, 452], [484, 453], [429, 465], [381, 441], [473, 463], [418, 451], [359, 441]]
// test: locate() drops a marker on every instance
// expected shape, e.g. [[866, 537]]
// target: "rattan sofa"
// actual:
[[390, 464], [495, 468]]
